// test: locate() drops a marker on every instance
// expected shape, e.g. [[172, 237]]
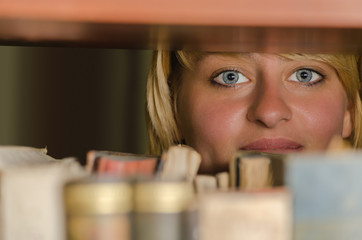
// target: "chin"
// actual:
[[214, 167]]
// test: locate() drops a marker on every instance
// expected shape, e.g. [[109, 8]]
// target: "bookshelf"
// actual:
[[231, 25]]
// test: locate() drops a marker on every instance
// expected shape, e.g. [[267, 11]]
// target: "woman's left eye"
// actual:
[[306, 75], [230, 77]]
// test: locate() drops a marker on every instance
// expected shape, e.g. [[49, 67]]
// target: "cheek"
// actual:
[[209, 120], [211, 125], [219, 122], [323, 118]]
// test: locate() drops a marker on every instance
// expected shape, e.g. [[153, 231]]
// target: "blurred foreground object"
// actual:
[[256, 215], [165, 210], [327, 195], [98, 209], [31, 195]]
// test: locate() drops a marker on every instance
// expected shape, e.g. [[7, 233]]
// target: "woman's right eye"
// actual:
[[230, 78]]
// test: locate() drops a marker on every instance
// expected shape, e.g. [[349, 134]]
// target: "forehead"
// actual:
[[248, 57], [259, 60], [255, 57], [192, 58]]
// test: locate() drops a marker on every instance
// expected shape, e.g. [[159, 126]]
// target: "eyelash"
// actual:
[[219, 85], [312, 84]]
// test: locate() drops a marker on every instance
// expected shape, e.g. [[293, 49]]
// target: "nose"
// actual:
[[269, 106]]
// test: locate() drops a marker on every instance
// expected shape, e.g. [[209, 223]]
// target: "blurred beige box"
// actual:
[[261, 215]]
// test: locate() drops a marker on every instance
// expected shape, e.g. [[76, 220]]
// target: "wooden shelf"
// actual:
[[230, 25]]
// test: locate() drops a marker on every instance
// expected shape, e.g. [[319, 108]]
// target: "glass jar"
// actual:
[[98, 209], [164, 210]]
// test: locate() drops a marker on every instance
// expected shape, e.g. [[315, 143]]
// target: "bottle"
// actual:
[[97, 209], [164, 210]]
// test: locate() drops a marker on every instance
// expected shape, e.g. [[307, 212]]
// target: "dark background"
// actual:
[[72, 100]]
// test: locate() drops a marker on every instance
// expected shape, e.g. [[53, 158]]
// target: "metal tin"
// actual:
[[164, 210], [98, 209]]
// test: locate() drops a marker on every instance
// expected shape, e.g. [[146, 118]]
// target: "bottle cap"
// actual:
[[98, 197], [162, 196]]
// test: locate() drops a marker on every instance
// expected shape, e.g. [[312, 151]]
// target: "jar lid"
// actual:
[[98, 197], [162, 196]]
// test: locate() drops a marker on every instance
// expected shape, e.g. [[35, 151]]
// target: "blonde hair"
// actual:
[[164, 79]]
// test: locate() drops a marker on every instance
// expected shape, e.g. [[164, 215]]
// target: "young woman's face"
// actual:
[[260, 102]]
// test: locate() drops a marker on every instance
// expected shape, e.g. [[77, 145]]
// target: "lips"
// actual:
[[274, 145]]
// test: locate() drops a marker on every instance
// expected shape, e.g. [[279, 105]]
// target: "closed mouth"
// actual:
[[273, 145]]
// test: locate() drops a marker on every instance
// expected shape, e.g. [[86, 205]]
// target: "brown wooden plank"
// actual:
[[298, 13], [230, 25]]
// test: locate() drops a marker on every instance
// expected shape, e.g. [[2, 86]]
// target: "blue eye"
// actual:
[[230, 77], [305, 75]]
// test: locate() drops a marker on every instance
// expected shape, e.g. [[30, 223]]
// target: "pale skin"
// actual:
[[260, 102]]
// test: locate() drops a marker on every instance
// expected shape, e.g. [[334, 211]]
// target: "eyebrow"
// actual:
[[248, 56]]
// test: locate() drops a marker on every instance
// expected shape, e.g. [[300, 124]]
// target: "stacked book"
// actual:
[[137, 197]]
